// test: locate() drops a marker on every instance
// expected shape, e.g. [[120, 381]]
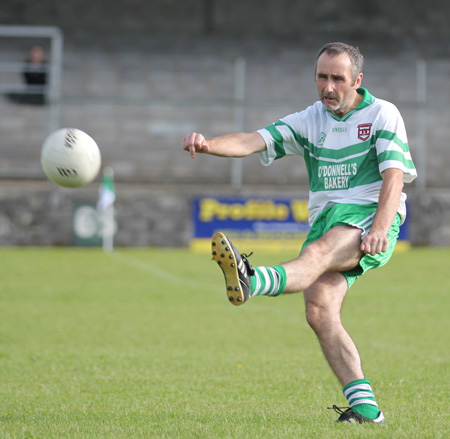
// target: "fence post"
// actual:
[[238, 114], [55, 79], [421, 114]]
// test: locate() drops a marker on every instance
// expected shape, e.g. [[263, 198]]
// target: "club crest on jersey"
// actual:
[[364, 131]]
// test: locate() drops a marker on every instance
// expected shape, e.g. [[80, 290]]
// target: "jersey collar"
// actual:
[[367, 100]]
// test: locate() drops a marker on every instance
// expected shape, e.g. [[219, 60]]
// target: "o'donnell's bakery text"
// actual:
[[337, 176]]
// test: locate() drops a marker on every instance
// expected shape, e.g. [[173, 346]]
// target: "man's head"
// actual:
[[334, 49], [338, 75], [37, 54]]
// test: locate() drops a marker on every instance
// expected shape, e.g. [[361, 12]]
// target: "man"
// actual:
[[35, 76], [357, 157]]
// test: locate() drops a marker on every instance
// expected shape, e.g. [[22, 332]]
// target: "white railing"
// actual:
[[53, 89]]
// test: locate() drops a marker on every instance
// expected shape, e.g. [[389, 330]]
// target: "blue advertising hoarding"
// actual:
[[265, 222]]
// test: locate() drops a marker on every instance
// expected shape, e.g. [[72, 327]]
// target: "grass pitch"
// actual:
[[143, 344]]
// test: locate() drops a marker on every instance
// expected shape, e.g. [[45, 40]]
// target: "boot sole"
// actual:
[[224, 256]]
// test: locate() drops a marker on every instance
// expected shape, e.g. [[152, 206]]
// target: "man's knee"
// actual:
[[315, 316], [320, 317], [315, 250]]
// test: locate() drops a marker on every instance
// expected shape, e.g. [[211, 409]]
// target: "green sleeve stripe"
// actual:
[[278, 138], [395, 156], [388, 135], [302, 141], [279, 146]]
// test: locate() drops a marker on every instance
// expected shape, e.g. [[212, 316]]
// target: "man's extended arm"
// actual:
[[229, 145]]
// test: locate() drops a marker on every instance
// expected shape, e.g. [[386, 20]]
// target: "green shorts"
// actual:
[[360, 216]]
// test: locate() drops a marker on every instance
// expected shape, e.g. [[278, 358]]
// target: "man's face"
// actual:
[[335, 84]]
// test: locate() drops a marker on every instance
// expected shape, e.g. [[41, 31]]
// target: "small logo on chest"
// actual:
[[364, 130], [322, 137]]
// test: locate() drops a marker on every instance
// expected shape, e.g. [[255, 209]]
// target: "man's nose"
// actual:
[[328, 87]]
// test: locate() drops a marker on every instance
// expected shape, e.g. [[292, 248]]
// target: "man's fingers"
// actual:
[[195, 142], [188, 144], [374, 246]]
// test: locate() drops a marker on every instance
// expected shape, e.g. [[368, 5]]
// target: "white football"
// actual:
[[70, 157]]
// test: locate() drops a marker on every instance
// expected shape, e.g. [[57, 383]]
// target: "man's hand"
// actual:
[[374, 243], [195, 142]]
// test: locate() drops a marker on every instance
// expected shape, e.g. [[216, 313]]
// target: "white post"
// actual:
[[105, 207], [238, 113], [55, 79], [56, 57], [421, 93], [108, 229]]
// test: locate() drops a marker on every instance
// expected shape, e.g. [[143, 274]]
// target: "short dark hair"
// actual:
[[334, 49]]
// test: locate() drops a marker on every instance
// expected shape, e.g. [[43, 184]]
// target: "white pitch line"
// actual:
[[159, 272]]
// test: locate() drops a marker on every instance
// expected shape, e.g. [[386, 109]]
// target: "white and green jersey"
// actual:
[[344, 156]]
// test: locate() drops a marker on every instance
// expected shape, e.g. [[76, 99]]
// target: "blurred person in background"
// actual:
[[35, 77]]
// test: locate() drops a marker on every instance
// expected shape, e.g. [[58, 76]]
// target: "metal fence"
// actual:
[[31, 92]]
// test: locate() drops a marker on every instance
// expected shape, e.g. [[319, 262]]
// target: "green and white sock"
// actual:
[[268, 281], [360, 396]]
